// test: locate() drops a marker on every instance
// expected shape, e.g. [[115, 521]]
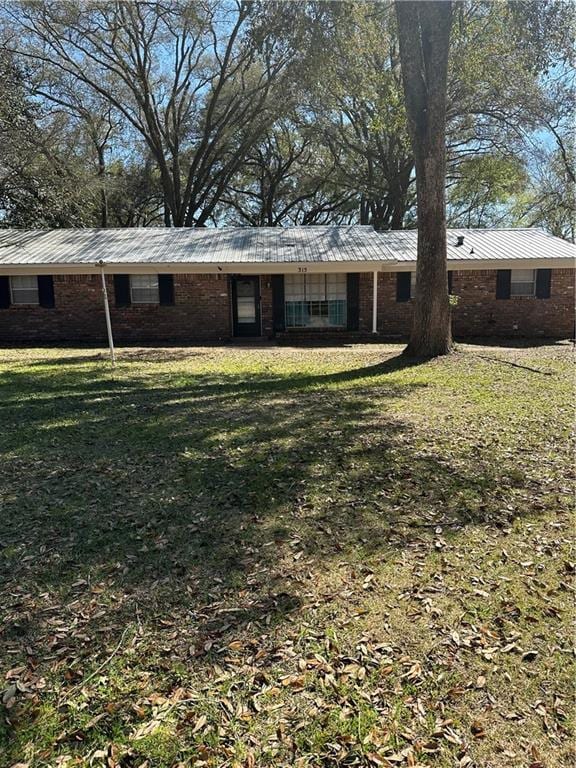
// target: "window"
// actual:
[[412, 284], [24, 290], [246, 301], [144, 289], [315, 301], [523, 282]]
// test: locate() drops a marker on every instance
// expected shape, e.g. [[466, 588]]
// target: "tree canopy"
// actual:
[[272, 113]]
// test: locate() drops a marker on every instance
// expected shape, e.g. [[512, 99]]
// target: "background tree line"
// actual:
[[219, 112]]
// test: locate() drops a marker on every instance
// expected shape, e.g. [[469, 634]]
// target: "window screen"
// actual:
[[24, 289], [317, 300], [294, 288], [522, 282], [144, 289]]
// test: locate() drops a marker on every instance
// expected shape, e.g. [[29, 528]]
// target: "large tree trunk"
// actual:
[[424, 36]]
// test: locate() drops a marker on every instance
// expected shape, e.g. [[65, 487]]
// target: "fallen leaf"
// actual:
[[9, 696], [200, 723]]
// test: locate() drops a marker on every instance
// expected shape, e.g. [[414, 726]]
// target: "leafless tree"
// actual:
[[288, 178], [195, 80]]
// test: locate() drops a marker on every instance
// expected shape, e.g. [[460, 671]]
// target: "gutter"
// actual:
[[275, 268]]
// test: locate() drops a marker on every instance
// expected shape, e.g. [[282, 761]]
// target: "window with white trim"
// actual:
[[144, 289], [24, 289], [315, 300], [522, 282]]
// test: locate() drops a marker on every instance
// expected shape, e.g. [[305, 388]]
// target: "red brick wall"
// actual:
[[202, 310], [394, 317], [77, 316], [479, 312], [266, 305]]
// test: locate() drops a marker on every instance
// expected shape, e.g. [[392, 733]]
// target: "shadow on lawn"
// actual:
[[515, 343], [144, 354], [174, 495]]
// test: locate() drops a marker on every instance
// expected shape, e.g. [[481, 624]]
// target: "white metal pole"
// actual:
[[107, 313], [375, 303]]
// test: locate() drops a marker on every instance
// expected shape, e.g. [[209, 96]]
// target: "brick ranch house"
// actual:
[[194, 285]]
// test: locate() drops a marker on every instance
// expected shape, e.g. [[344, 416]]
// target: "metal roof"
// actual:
[[263, 245], [484, 245], [237, 245]]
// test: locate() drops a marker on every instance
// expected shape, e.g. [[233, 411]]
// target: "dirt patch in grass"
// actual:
[[276, 556]]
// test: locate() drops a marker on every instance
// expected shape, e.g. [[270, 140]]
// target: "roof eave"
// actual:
[[245, 268], [271, 268]]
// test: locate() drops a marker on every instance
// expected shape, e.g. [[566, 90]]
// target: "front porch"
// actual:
[[305, 304]]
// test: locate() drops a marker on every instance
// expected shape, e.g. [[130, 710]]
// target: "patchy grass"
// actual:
[[269, 557]]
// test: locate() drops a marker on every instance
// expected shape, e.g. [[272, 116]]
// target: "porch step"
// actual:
[[318, 338], [252, 341]]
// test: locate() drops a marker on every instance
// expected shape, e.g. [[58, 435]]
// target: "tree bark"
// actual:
[[424, 36]]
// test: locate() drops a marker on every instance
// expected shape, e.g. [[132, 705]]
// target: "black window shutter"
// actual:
[[402, 286], [353, 301], [166, 289], [450, 281], [122, 290], [278, 321], [45, 291], [4, 292], [503, 279], [543, 280]]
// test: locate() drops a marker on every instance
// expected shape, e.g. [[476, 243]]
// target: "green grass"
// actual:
[[270, 557]]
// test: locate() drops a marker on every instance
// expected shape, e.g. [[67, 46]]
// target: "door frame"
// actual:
[[237, 327]]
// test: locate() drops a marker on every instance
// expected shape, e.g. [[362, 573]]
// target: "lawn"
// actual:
[[271, 557]]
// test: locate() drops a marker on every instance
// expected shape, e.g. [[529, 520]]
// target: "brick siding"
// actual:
[[266, 305], [479, 312], [202, 311]]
